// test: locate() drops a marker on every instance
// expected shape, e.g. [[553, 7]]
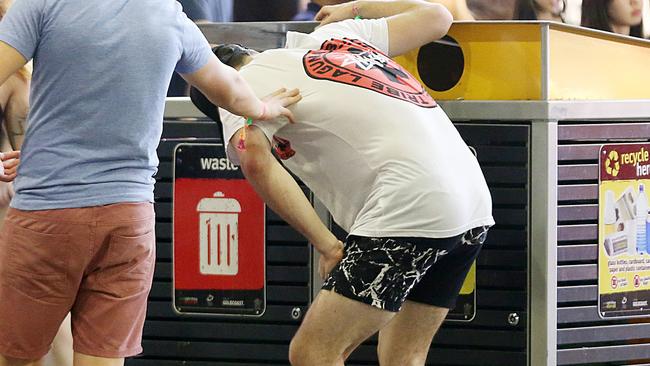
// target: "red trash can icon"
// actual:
[[219, 235]]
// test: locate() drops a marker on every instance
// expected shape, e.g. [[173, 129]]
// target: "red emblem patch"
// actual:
[[283, 148], [353, 62]]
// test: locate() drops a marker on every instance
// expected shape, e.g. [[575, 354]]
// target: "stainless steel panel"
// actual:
[[592, 355], [587, 293], [603, 333], [579, 192], [609, 132], [542, 282], [257, 35], [578, 272], [575, 253], [577, 233], [567, 173], [578, 152], [578, 314], [181, 107], [577, 213], [543, 111]]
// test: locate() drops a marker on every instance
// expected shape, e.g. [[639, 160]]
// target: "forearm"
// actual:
[[281, 192], [240, 99], [411, 23], [374, 9], [283, 195], [224, 87]]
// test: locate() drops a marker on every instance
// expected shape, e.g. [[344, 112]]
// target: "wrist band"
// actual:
[[249, 121]]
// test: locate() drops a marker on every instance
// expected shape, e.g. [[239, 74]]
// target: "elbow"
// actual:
[[256, 160], [253, 164], [442, 20]]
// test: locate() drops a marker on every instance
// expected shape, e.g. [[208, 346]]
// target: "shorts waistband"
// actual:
[[117, 212]]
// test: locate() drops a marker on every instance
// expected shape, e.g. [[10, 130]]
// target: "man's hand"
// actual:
[[223, 86], [276, 103], [334, 13], [328, 260], [9, 167]]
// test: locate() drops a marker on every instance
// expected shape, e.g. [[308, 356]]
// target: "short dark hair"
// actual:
[[596, 16], [232, 54]]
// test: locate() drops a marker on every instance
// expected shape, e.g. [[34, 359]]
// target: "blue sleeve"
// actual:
[[196, 50], [22, 26]]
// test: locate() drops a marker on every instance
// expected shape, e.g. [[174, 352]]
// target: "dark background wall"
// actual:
[[261, 10]]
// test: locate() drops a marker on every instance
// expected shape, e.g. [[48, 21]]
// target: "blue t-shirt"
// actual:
[[101, 70]]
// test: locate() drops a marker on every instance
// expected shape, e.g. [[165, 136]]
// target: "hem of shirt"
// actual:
[[434, 234], [30, 204], [12, 43], [193, 69]]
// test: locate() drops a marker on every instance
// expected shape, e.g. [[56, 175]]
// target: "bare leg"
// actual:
[[85, 360], [61, 352], [333, 327], [405, 341]]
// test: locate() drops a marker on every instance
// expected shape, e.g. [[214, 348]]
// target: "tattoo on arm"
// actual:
[[16, 132]]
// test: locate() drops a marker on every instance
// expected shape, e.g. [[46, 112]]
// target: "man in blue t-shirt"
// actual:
[[79, 236]]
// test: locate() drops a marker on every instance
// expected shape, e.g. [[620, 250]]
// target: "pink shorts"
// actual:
[[95, 262]]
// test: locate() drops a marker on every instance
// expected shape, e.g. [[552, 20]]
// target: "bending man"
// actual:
[[385, 160]]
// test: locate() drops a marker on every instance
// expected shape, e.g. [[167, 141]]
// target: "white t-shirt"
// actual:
[[369, 141]]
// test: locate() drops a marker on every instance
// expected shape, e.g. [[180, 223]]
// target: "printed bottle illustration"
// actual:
[[219, 235], [641, 217]]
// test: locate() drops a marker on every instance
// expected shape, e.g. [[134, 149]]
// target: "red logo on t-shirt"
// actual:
[[353, 62], [283, 148]]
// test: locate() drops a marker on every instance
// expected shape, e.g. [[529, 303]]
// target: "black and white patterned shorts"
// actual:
[[385, 272]]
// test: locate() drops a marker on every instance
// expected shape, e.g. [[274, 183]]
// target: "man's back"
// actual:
[[101, 69], [369, 141]]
